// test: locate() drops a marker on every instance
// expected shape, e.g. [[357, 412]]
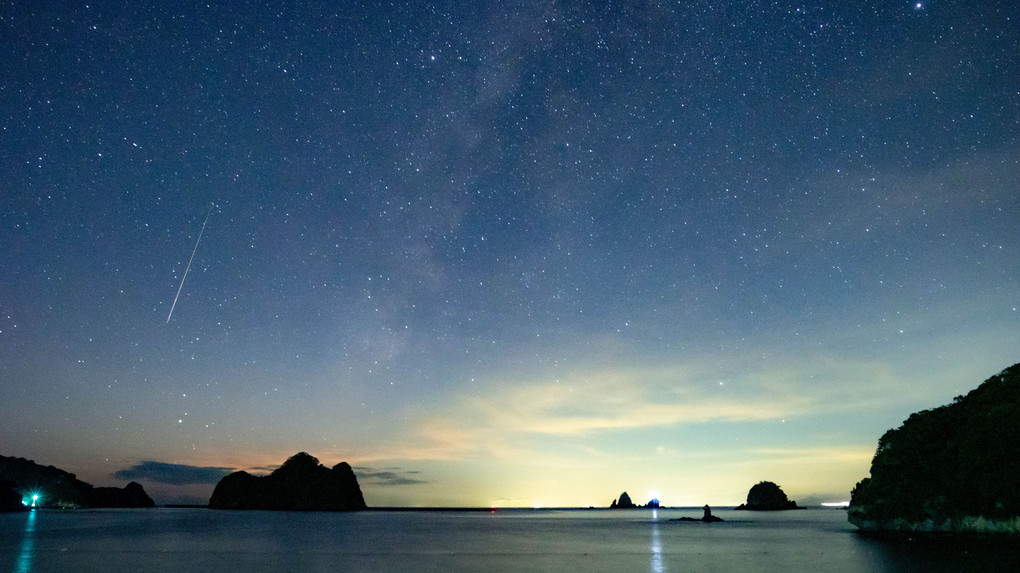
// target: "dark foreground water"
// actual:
[[515, 540]]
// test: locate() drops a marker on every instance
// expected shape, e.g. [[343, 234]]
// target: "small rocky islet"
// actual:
[[624, 502], [767, 496]]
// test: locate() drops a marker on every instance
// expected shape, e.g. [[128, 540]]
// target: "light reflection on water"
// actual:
[[174, 540], [656, 544], [24, 563]]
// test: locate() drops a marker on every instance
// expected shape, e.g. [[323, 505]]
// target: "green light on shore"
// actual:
[[33, 499]]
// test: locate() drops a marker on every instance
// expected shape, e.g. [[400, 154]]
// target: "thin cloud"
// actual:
[[549, 420], [503, 419], [388, 477], [620, 400], [173, 474]]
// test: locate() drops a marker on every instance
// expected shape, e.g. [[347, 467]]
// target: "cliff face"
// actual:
[[951, 469], [300, 484], [58, 488]]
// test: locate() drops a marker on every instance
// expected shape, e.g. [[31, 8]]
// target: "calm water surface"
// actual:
[[512, 540]]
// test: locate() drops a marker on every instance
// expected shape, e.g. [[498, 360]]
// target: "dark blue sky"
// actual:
[[615, 240]]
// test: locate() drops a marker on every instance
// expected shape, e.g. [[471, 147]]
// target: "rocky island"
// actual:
[[623, 503], [950, 470], [300, 484], [46, 486], [767, 496], [626, 503]]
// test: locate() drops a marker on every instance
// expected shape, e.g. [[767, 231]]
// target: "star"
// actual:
[[514, 245]]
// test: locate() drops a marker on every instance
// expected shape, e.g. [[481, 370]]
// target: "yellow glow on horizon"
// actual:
[[581, 440]]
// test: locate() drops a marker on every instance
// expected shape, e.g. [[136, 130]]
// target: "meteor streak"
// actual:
[[188, 268]]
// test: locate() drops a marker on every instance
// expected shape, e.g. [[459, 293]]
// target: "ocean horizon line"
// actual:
[[395, 508]]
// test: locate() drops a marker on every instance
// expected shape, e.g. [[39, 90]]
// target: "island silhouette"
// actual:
[[300, 484], [624, 502], [767, 496]]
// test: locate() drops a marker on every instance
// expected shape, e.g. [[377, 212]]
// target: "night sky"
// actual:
[[502, 253]]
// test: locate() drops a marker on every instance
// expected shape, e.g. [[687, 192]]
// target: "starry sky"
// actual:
[[502, 253]]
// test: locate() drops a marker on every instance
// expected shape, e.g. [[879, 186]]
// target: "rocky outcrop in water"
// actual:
[[300, 484], [707, 518], [58, 488], [767, 496], [623, 503], [952, 469]]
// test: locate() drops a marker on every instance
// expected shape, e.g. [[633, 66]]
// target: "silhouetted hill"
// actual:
[[300, 484], [767, 496], [131, 495], [950, 469], [58, 488], [10, 498]]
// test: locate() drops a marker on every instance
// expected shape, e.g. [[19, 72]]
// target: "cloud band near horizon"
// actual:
[[173, 474]]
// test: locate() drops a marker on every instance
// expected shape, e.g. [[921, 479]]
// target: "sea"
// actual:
[[197, 539]]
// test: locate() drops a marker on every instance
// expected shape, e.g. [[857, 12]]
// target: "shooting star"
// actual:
[[188, 268]]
